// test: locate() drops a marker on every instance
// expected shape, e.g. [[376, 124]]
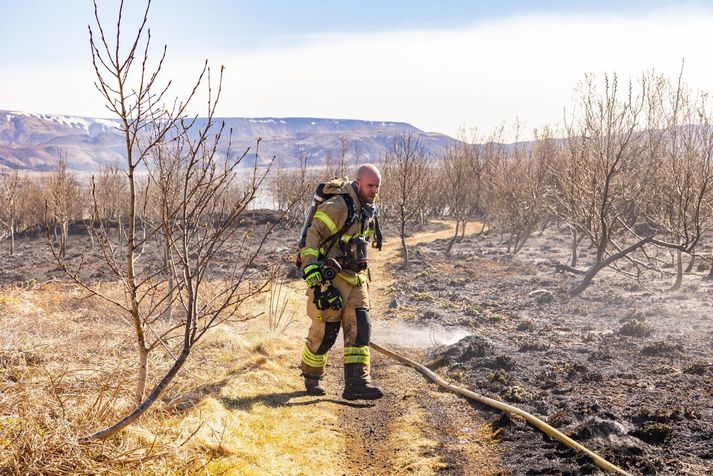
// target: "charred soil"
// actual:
[[626, 370]]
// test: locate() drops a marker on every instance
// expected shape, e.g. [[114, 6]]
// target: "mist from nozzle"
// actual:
[[405, 334]]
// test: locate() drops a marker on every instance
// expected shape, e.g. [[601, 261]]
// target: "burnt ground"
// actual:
[[33, 262], [626, 370]]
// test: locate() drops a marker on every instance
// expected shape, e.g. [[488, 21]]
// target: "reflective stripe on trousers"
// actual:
[[356, 355], [312, 359]]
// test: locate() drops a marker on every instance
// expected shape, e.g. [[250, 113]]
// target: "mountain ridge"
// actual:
[[34, 141]]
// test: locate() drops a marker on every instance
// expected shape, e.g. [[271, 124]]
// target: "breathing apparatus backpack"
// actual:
[[324, 191]]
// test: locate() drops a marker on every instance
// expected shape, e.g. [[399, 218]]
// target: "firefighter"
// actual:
[[336, 247]]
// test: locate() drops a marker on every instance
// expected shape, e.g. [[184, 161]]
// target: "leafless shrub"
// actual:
[[518, 179], [678, 202], [277, 320], [404, 170], [633, 175], [11, 188], [62, 203], [292, 188], [109, 190], [189, 203], [347, 155], [461, 181]]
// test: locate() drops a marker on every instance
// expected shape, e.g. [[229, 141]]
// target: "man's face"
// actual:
[[368, 187]]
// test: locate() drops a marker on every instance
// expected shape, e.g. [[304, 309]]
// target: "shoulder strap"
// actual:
[[351, 218]]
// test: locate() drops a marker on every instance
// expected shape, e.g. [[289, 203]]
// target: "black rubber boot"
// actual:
[[357, 384], [313, 386]]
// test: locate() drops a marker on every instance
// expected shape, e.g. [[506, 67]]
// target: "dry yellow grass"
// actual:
[[236, 408], [415, 450], [67, 368]]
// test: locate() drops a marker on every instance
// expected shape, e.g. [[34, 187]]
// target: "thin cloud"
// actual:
[[525, 67]]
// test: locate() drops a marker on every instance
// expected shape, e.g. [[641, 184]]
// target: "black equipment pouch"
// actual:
[[354, 253], [358, 251], [378, 236]]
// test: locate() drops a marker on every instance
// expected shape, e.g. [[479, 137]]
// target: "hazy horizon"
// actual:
[[460, 64]]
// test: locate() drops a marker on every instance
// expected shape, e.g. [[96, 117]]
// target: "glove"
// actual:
[[331, 298], [312, 275], [334, 297]]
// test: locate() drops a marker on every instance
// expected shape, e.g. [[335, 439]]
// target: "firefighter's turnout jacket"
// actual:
[[329, 219]]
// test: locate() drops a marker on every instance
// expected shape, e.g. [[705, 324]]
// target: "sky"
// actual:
[[439, 65]]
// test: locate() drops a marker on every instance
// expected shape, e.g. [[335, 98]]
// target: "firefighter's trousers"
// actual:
[[353, 317]]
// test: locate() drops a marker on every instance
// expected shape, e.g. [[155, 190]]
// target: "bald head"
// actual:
[[368, 181], [368, 170]]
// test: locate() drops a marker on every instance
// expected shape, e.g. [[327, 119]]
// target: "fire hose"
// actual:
[[533, 420]]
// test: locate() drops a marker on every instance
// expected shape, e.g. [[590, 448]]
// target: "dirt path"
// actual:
[[415, 428]]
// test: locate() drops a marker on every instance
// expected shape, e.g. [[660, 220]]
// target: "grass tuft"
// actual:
[[67, 369]]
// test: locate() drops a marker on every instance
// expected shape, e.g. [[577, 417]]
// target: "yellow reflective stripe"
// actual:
[[356, 355], [326, 220], [313, 363], [345, 238], [361, 350], [357, 360], [309, 252], [312, 359], [310, 267], [368, 233], [355, 280]]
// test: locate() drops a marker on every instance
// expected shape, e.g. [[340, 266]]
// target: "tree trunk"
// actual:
[[575, 242], [453, 238], [143, 373], [404, 249], [131, 286], [587, 280], [89, 226], [12, 236], [144, 405], [63, 239], [168, 313], [462, 229], [679, 271], [55, 234], [601, 248], [689, 268]]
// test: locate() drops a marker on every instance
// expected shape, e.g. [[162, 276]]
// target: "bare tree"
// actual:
[[12, 184], [343, 156], [291, 188], [461, 181], [614, 155], [110, 189], [565, 201], [682, 177], [404, 169], [518, 179], [63, 203], [31, 204], [198, 211]]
